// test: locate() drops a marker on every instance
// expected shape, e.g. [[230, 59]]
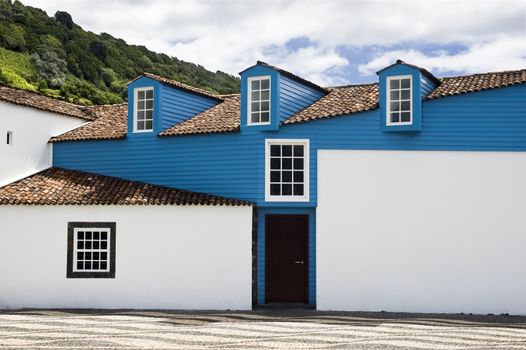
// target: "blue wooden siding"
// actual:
[[295, 96], [233, 164], [311, 212], [178, 105], [426, 86]]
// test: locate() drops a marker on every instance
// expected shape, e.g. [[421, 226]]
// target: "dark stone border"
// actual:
[[255, 222], [71, 240]]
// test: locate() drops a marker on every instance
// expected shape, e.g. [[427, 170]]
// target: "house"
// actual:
[[402, 195], [27, 122]]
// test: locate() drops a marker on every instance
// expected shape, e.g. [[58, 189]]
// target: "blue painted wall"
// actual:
[[295, 96], [233, 164]]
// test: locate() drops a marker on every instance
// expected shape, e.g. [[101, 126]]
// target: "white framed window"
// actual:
[[9, 138], [259, 100], [91, 250], [286, 170], [399, 100], [143, 111]]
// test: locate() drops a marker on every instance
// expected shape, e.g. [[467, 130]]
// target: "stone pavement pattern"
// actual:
[[40, 329]]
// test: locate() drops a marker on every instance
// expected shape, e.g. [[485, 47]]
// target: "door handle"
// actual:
[[298, 262]]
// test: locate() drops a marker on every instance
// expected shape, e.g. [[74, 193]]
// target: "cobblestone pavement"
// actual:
[[41, 329]]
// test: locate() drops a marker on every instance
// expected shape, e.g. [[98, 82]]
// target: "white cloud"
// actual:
[[231, 35]]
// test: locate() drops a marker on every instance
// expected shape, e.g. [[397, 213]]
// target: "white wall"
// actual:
[[32, 129], [169, 257], [422, 231]]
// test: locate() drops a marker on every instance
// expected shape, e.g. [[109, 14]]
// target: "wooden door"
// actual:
[[286, 258]]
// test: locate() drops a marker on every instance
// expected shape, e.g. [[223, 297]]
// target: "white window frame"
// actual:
[[9, 138], [249, 99], [107, 250], [306, 169], [388, 99], [136, 105]]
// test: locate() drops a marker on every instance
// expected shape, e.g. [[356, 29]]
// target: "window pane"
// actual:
[[103, 235], [87, 265], [405, 83], [96, 245], [95, 265], [405, 116], [298, 163], [406, 105], [255, 85], [254, 118], [298, 189], [395, 106], [265, 117], [395, 95], [80, 235], [140, 95], [287, 150], [103, 255], [87, 245], [265, 84], [275, 150], [255, 106], [140, 105], [264, 95], [149, 104], [148, 125], [96, 235], [286, 163], [255, 96], [149, 115], [80, 245], [298, 176], [96, 256], [298, 151], [286, 176], [87, 256], [275, 163], [275, 176], [286, 190], [80, 265], [80, 256], [406, 95], [149, 94], [394, 118], [103, 266], [275, 190], [394, 84], [140, 115], [265, 106], [140, 125]]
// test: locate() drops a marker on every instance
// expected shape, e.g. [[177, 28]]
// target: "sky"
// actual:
[[330, 42]]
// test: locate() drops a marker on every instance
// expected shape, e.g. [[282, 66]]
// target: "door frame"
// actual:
[[307, 255]]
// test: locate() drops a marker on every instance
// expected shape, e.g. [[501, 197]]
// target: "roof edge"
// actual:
[[422, 70]]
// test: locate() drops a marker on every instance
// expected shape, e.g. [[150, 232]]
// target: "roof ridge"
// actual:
[[486, 73], [38, 93], [349, 85]]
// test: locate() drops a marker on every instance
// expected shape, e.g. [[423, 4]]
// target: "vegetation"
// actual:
[[56, 57]]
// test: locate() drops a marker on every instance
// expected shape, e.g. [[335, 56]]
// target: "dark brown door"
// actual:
[[286, 258]]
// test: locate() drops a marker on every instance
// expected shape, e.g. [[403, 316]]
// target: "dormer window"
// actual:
[[259, 100], [143, 117], [399, 100]]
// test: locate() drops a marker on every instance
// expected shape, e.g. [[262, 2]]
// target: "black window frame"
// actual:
[[71, 240]]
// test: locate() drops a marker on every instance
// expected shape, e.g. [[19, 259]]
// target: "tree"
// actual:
[[50, 67], [99, 49], [64, 18]]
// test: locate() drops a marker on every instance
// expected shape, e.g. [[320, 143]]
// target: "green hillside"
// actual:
[[56, 57]]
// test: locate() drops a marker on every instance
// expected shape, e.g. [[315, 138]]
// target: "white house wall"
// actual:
[[169, 257], [32, 129], [422, 231]]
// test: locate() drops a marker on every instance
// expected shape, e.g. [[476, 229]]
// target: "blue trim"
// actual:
[[274, 98], [311, 212]]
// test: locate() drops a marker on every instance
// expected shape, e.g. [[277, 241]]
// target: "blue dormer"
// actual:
[[402, 88], [270, 95], [156, 104]]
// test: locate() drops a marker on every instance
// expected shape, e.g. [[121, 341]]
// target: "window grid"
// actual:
[[144, 110], [287, 170], [91, 251], [259, 103], [399, 101]]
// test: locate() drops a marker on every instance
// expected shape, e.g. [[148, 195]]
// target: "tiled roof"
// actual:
[[56, 186], [340, 101], [110, 123], [477, 82], [224, 117], [176, 84], [45, 103], [289, 74]]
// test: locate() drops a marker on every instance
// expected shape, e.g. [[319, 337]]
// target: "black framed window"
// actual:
[[91, 250]]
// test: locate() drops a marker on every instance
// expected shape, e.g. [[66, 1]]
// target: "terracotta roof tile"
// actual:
[[56, 186], [477, 82], [45, 103], [340, 101], [110, 123], [224, 117], [176, 84]]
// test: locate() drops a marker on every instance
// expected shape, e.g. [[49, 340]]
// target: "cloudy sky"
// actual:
[[331, 42]]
